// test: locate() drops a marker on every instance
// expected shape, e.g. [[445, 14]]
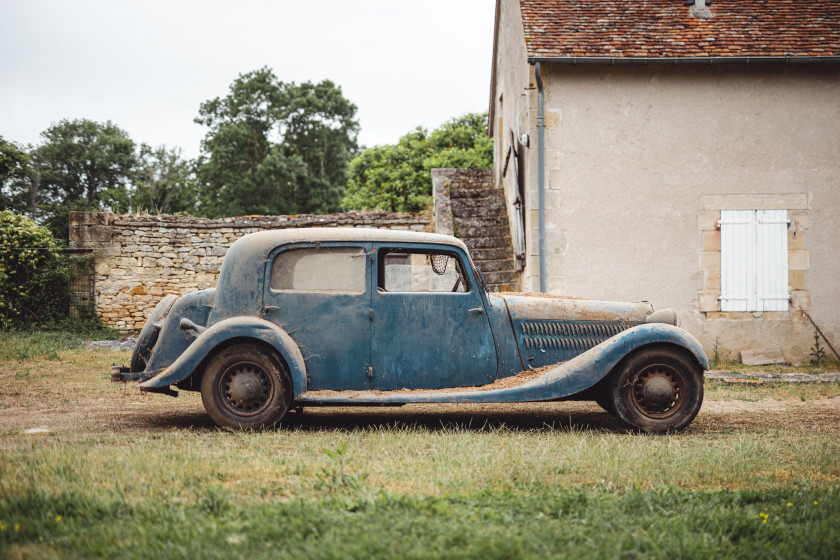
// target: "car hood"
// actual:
[[553, 329], [561, 308]]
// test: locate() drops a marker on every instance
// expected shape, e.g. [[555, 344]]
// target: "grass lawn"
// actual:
[[130, 475]]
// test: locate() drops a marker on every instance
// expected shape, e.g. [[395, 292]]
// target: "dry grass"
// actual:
[[136, 459], [113, 426]]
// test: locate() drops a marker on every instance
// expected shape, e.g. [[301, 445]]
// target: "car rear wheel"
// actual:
[[246, 386], [658, 390]]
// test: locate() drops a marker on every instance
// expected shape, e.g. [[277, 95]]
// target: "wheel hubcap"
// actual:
[[246, 389], [658, 391]]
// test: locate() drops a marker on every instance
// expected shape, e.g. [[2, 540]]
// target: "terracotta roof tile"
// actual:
[[666, 28]]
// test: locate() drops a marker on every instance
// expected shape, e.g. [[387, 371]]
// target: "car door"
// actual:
[[430, 328], [320, 295]]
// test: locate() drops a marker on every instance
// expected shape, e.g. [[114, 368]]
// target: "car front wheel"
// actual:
[[658, 390], [605, 401], [246, 386]]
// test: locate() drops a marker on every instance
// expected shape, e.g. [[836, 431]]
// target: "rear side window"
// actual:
[[320, 269]]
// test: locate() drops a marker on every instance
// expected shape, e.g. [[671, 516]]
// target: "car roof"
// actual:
[[277, 237], [241, 275]]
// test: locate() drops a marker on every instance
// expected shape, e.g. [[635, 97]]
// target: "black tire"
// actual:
[[658, 389], [149, 335], [246, 386], [605, 402]]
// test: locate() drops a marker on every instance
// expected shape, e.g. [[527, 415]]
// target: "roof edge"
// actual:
[[491, 112], [617, 60]]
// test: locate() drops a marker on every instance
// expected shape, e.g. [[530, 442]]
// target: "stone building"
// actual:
[[689, 155]]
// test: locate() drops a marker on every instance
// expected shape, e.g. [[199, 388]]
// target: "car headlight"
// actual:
[[668, 316]]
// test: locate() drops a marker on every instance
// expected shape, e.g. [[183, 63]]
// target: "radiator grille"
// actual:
[[577, 336]]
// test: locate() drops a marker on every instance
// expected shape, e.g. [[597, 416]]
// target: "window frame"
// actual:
[[364, 252], [383, 252]]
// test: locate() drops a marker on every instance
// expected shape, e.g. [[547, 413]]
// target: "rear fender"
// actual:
[[229, 329]]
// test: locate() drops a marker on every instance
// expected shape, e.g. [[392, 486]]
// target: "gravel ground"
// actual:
[[731, 377], [120, 344]]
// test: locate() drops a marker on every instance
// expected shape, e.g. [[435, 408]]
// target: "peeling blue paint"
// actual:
[[378, 347]]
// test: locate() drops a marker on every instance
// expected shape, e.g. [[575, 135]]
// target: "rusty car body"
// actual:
[[353, 316]]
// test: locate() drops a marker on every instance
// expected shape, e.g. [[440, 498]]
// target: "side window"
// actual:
[[320, 269], [402, 270]]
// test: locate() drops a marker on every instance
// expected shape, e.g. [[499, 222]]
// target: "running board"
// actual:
[[550, 383]]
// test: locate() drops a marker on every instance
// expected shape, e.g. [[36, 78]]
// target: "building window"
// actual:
[[754, 260]]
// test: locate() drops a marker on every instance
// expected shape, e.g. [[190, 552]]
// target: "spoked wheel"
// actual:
[[658, 390], [246, 386], [245, 389]]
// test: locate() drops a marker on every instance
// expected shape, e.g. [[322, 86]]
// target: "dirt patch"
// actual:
[[126, 344], [769, 415], [75, 399], [520, 378], [124, 412]]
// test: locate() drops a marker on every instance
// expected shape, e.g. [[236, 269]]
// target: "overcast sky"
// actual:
[[147, 65]]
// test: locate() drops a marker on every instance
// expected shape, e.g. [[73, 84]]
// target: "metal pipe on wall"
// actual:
[[541, 171]]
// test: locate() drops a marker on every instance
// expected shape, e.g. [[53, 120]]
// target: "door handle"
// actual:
[[478, 310]]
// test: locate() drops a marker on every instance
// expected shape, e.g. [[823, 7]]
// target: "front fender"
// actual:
[[655, 333], [587, 369], [236, 327]]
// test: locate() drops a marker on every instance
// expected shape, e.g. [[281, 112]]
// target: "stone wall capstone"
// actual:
[[138, 259]]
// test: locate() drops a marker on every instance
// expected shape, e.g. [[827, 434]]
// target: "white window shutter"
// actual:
[[772, 259], [737, 261], [753, 260]]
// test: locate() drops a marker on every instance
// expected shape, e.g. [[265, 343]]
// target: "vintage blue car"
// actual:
[[351, 316]]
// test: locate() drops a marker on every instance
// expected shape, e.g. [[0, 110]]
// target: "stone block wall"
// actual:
[[470, 207], [139, 258]]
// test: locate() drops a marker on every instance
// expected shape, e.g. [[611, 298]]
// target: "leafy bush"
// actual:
[[34, 274]]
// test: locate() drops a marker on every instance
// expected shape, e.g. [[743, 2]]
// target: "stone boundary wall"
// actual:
[[138, 258], [469, 206]]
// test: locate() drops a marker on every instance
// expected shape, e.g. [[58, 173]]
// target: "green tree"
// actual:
[[15, 170], [82, 165], [397, 178], [275, 148], [34, 275], [164, 182]]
